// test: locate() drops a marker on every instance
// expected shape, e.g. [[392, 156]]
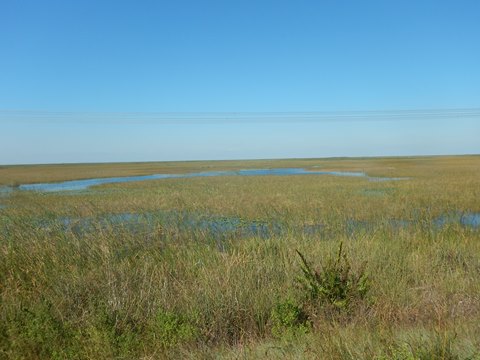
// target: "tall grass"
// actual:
[[113, 291]]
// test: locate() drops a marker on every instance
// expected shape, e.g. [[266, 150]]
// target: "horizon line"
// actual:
[[245, 159]]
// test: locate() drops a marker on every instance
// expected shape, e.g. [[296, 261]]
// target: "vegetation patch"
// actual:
[[289, 320], [170, 329], [334, 284]]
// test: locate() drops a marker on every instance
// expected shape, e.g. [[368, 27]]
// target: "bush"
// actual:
[[334, 283], [170, 329], [289, 319], [35, 332]]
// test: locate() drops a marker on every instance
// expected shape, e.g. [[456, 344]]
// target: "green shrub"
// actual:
[[289, 319], [170, 329], [335, 283], [36, 332]]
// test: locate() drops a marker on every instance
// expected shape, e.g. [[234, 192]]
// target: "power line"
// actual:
[[34, 116]]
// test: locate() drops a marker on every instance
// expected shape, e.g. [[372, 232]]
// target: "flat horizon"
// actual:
[[359, 157]]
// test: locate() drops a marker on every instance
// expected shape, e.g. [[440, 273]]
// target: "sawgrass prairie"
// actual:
[[315, 267]]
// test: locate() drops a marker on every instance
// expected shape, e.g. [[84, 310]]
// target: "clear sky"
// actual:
[[79, 78]]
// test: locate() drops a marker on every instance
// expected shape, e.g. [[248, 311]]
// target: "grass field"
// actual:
[[296, 267]]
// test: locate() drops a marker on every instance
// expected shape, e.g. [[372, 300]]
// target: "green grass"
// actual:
[[171, 292]]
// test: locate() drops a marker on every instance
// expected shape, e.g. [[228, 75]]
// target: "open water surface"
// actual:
[[86, 183]]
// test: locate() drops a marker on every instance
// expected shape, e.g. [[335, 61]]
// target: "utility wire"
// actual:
[[37, 116]]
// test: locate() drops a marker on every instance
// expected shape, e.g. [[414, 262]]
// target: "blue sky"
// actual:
[[117, 57]]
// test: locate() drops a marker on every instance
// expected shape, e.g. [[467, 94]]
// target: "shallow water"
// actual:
[[216, 227], [5, 191], [470, 219], [220, 227], [86, 183]]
